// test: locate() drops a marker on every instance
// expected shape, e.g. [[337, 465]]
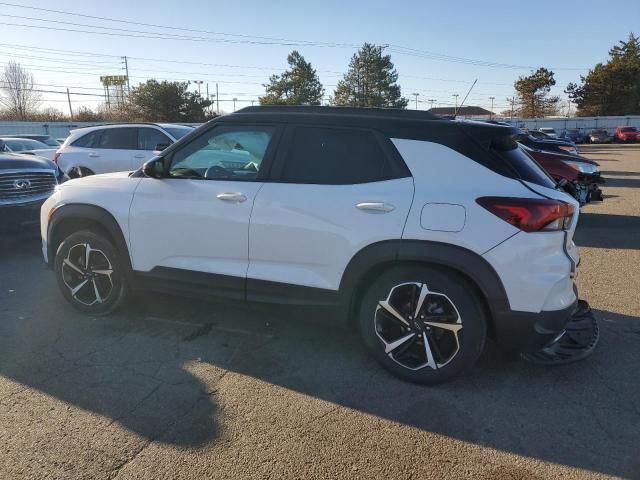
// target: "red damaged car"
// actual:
[[577, 175]]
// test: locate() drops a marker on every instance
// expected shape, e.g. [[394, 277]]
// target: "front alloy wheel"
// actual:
[[91, 273], [87, 272]]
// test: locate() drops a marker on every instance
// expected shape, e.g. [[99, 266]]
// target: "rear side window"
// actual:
[[119, 139], [149, 138], [90, 140], [335, 156], [519, 160]]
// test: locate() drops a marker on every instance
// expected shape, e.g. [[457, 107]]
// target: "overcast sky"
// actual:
[[493, 41]]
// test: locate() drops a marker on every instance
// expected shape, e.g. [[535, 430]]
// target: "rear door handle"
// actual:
[[139, 155], [93, 155], [232, 197], [379, 207]]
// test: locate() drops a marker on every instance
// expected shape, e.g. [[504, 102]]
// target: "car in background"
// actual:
[[578, 176], [548, 131], [115, 147], [549, 145], [625, 134], [573, 135], [537, 134], [26, 146], [599, 135], [46, 139], [26, 181]]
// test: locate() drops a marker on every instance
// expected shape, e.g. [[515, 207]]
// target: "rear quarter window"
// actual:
[[89, 140], [521, 162]]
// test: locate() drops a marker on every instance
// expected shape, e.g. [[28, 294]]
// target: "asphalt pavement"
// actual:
[[175, 388]]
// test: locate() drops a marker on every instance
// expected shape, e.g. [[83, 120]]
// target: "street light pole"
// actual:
[[492, 99], [431, 102], [416, 95], [198, 82]]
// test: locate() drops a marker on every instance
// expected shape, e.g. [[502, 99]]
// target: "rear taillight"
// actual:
[[56, 156], [530, 214]]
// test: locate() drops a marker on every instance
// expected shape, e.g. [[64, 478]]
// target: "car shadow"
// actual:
[[602, 230], [156, 368], [622, 182], [616, 173]]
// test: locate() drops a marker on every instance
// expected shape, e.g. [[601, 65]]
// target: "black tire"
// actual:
[[103, 292], [79, 172], [375, 323]]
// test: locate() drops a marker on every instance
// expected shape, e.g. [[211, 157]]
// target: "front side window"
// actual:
[[150, 138], [118, 138], [335, 156], [223, 153]]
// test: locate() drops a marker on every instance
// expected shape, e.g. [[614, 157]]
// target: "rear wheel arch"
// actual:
[[376, 258], [76, 217]]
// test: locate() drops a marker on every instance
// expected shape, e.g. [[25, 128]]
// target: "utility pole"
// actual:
[[456, 95], [512, 100], [208, 96], [69, 100], [198, 82], [217, 100], [126, 68], [234, 103], [431, 102], [416, 95], [492, 99]]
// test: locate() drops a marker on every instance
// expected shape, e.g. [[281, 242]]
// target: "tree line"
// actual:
[[371, 80]]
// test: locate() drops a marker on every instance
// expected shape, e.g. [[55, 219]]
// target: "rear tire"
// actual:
[[91, 273], [423, 324], [79, 172]]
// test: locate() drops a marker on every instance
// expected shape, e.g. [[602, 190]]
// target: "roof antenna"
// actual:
[[455, 114]]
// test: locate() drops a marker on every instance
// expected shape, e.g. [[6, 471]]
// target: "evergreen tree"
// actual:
[[299, 85], [533, 94], [370, 81], [165, 101], [612, 88]]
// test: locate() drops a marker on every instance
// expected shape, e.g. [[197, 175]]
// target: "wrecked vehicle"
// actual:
[[578, 176]]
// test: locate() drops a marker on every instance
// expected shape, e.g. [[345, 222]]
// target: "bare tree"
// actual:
[[19, 99]]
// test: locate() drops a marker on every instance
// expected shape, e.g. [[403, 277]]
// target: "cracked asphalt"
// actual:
[[174, 388]]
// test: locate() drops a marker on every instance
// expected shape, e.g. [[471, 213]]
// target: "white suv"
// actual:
[[114, 147], [430, 235]]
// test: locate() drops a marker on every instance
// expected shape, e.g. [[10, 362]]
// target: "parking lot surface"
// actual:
[[174, 388]]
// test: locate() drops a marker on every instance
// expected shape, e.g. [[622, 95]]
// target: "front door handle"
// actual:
[[93, 155], [376, 207], [139, 155], [232, 197]]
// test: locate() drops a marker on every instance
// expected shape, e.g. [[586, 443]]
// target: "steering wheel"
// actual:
[[216, 171]]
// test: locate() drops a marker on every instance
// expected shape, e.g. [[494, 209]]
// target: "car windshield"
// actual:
[[598, 132], [573, 131], [628, 129], [178, 132], [22, 144]]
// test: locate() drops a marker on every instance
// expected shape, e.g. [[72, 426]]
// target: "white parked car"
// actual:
[[550, 132], [27, 146], [114, 147], [427, 235]]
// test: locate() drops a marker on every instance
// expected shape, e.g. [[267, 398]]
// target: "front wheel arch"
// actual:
[[72, 218]]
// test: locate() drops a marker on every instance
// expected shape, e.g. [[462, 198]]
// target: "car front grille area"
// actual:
[[19, 187]]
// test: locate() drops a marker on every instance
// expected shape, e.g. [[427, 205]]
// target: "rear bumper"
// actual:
[[520, 332]]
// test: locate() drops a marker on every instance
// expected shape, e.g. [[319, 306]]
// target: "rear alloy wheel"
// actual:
[[90, 274], [423, 324]]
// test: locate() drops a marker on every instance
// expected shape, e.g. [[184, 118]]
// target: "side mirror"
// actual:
[[161, 146], [154, 168]]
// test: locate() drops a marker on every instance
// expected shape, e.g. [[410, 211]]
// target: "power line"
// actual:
[[260, 40]]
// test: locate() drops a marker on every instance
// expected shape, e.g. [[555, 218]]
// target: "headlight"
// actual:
[[582, 166]]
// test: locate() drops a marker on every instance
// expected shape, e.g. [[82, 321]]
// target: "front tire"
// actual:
[[91, 273], [423, 324]]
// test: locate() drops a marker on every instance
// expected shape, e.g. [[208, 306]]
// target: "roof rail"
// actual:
[[359, 111]]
